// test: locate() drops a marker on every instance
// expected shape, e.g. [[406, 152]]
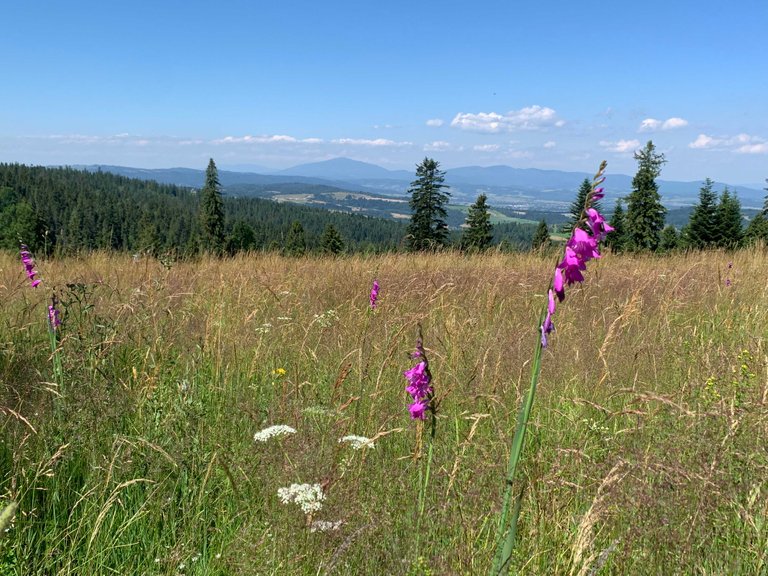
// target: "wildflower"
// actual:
[[278, 372], [581, 247], [54, 315], [357, 442], [419, 384], [277, 430], [548, 326], [29, 266], [374, 294], [325, 526], [309, 496]]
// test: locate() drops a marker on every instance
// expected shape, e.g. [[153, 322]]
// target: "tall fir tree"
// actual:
[[242, 238], [617, 239], [669, 240], [296, 242], [428, 229], [212, 212], [576, 210], [702, 226], [540, 236], [645, 213], [331, 241], [728, 229], [478, 233]]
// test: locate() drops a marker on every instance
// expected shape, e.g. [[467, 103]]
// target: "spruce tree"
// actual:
[[617, 239], [765, 204], [478, 234], [295, 242], [645, 213], [242, 238], [670, 239], [701, 230], [212, 212], [576, 210], [728, 231], [428, 229], [331, 241], [541, 236]]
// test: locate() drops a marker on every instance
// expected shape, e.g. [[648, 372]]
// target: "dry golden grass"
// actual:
[[657, 369]]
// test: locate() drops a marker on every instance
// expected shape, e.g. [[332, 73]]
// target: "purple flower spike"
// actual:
[[29, 266], [419, 384], [374, 294], [580, 248]]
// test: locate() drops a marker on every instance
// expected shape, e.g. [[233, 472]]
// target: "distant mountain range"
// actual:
[[520, 188]]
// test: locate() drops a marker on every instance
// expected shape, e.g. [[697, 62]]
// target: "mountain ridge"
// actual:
[[504, 185]]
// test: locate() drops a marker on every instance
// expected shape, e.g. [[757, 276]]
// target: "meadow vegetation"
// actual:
[[646, 449]]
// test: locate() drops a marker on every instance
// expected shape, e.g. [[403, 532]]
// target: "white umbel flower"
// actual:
[[309, 496], [357, 442], [325, 526], [277, 430]]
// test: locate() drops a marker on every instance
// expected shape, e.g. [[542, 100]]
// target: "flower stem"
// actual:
[[505, 536]]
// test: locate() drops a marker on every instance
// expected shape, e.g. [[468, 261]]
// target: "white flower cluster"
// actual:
[[325, 526], [278, 430], [357, 442], [309, 496]]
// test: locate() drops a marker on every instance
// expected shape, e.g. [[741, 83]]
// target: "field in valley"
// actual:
[[647, 452]]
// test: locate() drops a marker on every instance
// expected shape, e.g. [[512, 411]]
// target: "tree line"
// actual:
[[66, 211], [63, 210]]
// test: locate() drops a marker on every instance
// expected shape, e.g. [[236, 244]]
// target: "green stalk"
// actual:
[[505, 536], [424, 482], [58, 371]]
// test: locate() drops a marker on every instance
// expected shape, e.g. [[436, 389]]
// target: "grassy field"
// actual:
[[647, 452]]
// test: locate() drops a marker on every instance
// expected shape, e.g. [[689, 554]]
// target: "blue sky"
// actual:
[[545, 84]]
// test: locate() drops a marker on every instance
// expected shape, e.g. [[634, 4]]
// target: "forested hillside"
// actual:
[[63, 210]]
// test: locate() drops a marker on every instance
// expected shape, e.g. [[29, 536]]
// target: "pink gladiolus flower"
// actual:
[[557, 284], [374, 294], [419, 385], [580, 248], [418, 410], [29, 266]]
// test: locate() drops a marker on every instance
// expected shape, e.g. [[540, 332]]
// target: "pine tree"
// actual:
[[765, 204], [757, 229], [576, 210], [645, 213], [541, 236], [617, 239], [428, 229], [669, 240], [728, 231], [242, 238], [295, 242], [331, 241], [212, 212], [478, 234], [701, 230]]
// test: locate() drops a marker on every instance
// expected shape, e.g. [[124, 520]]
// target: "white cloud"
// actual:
[[265, 139], [621, 146], [550, 144], [651, 124], [529, 118], [378, 142], [435, 122], [761, 148], [741, 143], [703, 142], [438, 146], [486, 148]]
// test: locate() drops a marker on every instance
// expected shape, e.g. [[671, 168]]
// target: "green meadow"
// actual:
[[130, 449]]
